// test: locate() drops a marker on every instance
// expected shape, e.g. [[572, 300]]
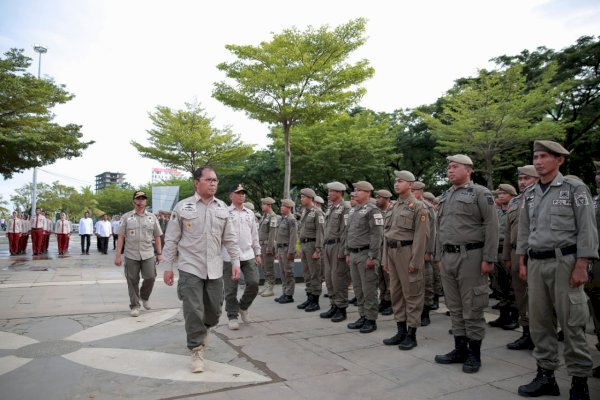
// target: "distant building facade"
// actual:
[[109, 178], [163, 174]]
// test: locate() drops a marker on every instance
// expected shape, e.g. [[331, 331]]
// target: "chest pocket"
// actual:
[[562, 219], [464, 204], [190, 223], [407, 219], [218, 223]]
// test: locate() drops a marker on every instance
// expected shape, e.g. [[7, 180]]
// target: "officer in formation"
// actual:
[[403, 258], [287, 234], [557, 237], [501, 278], [428, 267], [466, 249], [48, 228], [527, 177], [335, 270], [267, 234], [14, 230], [62, 229], [311, 232], [363, 252], [383, 202]]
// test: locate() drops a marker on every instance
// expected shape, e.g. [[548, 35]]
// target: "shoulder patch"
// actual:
[[490, 198], [581, 199]]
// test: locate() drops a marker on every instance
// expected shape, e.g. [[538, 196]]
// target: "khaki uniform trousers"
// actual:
[[286, 268], [336, 275], [311, 269], [592, 288], [520, 289], [466, 292], [407, 290], [268, 264], [133, 268], [548, 283], [364, 283]]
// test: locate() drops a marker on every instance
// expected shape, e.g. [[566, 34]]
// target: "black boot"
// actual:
[[579, 389], [329, 313], [544, 384], [302, 306], [388, 308], [410, 341], [357, 324], [513, 319], [314, 304], [286, 299], [502, 319], [473, 361], [381, 306], [278, 299], [399, 336], [596, 372], [522, 343], [425, 316], [560, 336], [369, 326], [458, 355], [353, 301], [436, 302], [340, 315]]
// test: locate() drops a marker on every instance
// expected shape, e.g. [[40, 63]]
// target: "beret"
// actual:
[[288, 203], [363, 185], [308, 192], [461, 159], [418, 186], [405, 176], [337, 186], [550, 147], [249, 205], [507, 188], [383, 193], [429, 196], [319, 199], [528, 170], [267, 200]]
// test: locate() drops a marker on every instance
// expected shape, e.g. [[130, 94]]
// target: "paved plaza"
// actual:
[[66, 333]]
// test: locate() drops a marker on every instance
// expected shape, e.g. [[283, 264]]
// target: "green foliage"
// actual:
[[185, 139], [114, 200], [298, 78], [28, 137]]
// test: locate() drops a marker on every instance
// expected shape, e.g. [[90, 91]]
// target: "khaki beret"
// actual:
[[319, 199], [249, 205], [528, 170], [308, 192], [363, 185], [418, 186], [461, 159], [337, 186], [550, 147], [405, 176], [383, 193], [597, 165], [507, 188], [288, 203], [429, 196], [267, 200]]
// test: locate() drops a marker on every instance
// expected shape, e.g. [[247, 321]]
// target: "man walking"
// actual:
[[86, 229], [103, 233]]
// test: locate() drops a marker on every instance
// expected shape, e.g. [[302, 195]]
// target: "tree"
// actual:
[[28, 137], [298, 78], [494, 116], [185, 139], [114, 200]]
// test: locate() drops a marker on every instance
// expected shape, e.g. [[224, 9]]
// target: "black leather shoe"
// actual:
[[369, 326], [286, 299], [387, 311], [329, 313], [473, 362], [302, 306], [410, 341], [357, 324], [522, 343], [436, 303], [314, 304], [596, 372], [399, 336], [458, 355], [501, 320], [353, 301], [561, 336], [425, 316], [544, 384], [579, 389], [340, 315]]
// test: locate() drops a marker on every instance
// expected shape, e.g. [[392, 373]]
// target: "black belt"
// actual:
[[35, 229], [392, 244], [358, 250], [306, 240], [332, 241], [280, 245], [455, 248], [545, 254]]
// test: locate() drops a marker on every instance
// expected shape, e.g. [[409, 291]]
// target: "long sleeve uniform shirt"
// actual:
[[365, 228], [86, 226], [267, 231], [246, 229]]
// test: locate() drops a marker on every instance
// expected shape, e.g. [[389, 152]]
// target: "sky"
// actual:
[[122, 59]]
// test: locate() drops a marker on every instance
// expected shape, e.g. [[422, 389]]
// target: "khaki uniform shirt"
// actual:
[[198, 231], [365, 228], [62, 226], [287, 233], [267, 231], [312, 225], [467, 215], [336, 218], [139, 231], [511, 227], [245, 227], [431, 233], [408, 221], [561, 216]]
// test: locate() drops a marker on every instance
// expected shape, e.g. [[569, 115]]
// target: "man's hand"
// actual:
[[118, 261], [258, 260], [316, 255], [579, 275], [486, 267], [428, 257], [235, 272], [386, 269], [371, 262], [522, 269], [158, 259], [507, 265], [168, 278]]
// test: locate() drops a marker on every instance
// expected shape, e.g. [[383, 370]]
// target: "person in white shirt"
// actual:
[[14, 231], [86, 228], [38, 223], [62, 228], [103, 232], [246, 228], [115, 225]]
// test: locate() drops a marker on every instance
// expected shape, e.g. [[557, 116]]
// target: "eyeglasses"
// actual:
[[210, 180]]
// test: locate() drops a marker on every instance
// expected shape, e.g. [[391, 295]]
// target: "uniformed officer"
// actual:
[[466, 249], [383, 202], [267, 234], [38, 224], [334, 261], [363, 251], [527, 177], [138, 228], [437, 279], [501, 279], [428, 267], [593, 287], [558, 234], [199, 228], [13, 233], [62, 229], [286, 249], [403, 258], [312, 229]]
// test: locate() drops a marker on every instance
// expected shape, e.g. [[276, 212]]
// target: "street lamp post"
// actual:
[[40, 50]]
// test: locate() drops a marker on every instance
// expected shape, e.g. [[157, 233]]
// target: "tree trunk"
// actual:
[[287, 160], [489, 171]]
